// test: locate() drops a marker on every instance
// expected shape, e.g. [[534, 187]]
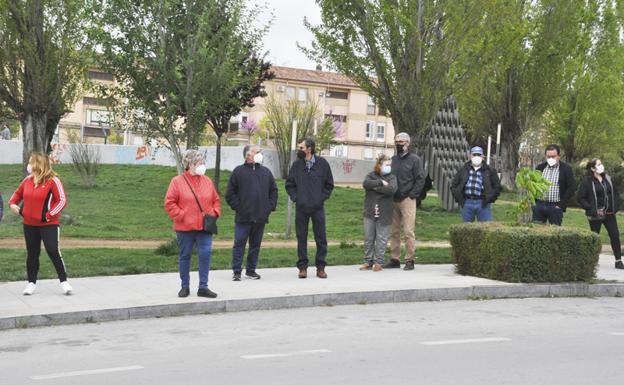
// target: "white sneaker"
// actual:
[[67, 289], [30, 288]]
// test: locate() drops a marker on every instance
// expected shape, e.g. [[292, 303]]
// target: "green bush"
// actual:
[[523, 253]]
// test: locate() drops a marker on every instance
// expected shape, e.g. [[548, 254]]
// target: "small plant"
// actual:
[[168, 248], [85, 162], [531, 186]]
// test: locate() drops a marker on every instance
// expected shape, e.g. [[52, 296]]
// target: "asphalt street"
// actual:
[[527, 341]]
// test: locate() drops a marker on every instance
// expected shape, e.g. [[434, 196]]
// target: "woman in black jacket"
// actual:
[[598, 196], [380, 186]]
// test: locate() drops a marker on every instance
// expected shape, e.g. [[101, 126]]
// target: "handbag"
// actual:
[[600, 213], [210, 221]]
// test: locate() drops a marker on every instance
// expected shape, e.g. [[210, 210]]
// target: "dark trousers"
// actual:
[[50, 236], [243, 232], [610, 223], [302, 219], [547, 212]]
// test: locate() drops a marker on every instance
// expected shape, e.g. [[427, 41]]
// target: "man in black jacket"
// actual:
[[310, 183], [475, 187], [410, 174], [252, 193], [563, 186]]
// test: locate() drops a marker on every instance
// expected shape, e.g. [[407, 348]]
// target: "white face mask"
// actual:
[[385, 170], [600, 169], [551, 161], [200, 170], [258, 158], [476, 161], [29, 169]]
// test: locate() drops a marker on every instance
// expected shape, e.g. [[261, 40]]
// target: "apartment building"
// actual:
[[366, 130]]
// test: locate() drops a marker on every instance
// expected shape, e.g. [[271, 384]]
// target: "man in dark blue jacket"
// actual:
[[310, 183], [252, 193]]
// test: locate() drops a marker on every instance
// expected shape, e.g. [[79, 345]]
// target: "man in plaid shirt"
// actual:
[[552, 205]]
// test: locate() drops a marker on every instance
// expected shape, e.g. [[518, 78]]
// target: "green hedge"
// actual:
[[525, 254]]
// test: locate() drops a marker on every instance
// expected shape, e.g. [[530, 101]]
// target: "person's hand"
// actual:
[[384, 182], [15, 209]]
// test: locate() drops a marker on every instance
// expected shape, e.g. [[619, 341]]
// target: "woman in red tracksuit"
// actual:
[[43, 200]]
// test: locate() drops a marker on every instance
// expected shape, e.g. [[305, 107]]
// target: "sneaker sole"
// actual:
[[254, 278]]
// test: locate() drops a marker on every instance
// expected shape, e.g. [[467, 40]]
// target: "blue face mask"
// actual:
[[385, 170]]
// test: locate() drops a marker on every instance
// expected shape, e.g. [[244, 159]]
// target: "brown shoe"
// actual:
[[365, 266], [377, 267], [320, 272], [303, 272]]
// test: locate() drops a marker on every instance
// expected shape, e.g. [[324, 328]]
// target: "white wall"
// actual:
[[344, 170]]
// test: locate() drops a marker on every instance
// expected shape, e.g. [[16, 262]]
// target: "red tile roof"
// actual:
[[313, 76]]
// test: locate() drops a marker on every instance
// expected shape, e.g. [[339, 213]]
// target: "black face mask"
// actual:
[[301, 154], [400, 148]]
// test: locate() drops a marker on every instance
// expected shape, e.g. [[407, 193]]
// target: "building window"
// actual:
[[336, 94], [302, 95], [95, 101], [370, 126], [99, 118], [368, 153], [381, 132], [97, 75], [370, 108], [290, 93]]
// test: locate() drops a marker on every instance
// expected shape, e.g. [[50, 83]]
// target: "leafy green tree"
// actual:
[[401, 52], [43, 59]]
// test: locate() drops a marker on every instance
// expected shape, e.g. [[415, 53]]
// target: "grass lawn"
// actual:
[[127, 203], [104, 262]]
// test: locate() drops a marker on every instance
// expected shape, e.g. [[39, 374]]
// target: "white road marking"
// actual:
[[299, 353], [617, 334], [86, 372], [466, 341]]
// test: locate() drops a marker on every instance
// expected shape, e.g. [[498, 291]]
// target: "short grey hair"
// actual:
[[192, 157], [248, 148], [403, 136]]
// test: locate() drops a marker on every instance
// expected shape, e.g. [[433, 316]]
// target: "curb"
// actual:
[[311, 300]]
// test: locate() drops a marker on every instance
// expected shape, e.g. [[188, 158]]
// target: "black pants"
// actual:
[[302, 219], [546, 211], [610, 223], [50, 237]]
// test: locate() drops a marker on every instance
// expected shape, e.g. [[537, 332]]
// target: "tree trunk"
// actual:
[[509, 164], [217, 171], [177, 153], [35, 136]]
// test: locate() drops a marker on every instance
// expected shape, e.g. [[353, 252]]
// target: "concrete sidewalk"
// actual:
[[99, 299]]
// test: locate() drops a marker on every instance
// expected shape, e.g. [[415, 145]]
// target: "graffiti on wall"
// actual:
[[347, 166]]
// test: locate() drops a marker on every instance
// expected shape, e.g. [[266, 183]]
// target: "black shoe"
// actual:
[[409, 265], [619, 264], [205, 292], [252, 275], [236, 277], [392, 264], [184, 292]]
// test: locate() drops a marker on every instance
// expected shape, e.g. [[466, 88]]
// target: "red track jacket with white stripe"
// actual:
[[42, 204]]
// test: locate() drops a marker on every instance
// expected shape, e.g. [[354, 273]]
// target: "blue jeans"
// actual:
[[473, 208], [186, 240], [243, 232], [547, 212]]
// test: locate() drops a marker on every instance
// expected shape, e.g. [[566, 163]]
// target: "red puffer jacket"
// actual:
[[42, 204], [181, 205]]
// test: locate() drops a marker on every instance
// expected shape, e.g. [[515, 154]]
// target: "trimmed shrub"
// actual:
[[524, 253]]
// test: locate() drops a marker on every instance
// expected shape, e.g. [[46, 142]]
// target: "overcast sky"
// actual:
[[288, 29]]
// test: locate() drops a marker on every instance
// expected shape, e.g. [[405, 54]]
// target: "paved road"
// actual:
[[529, 341]]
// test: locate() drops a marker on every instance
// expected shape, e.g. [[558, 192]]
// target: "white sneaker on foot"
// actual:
[[67, 289], [30, 288]]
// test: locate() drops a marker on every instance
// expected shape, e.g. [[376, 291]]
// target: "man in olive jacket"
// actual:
[[309, 184], [475, 187]]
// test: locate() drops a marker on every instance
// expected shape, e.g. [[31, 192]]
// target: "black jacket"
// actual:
[[252, 193], [410, 176], [491, 184], [310, 189], [589, 201], [567, 184], [380, 195]]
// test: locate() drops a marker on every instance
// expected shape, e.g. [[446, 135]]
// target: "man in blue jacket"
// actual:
[[310, 183], [252, 193]]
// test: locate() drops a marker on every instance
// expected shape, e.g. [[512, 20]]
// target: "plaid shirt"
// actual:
[[310, 163], [474, 184], [552, 175]]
